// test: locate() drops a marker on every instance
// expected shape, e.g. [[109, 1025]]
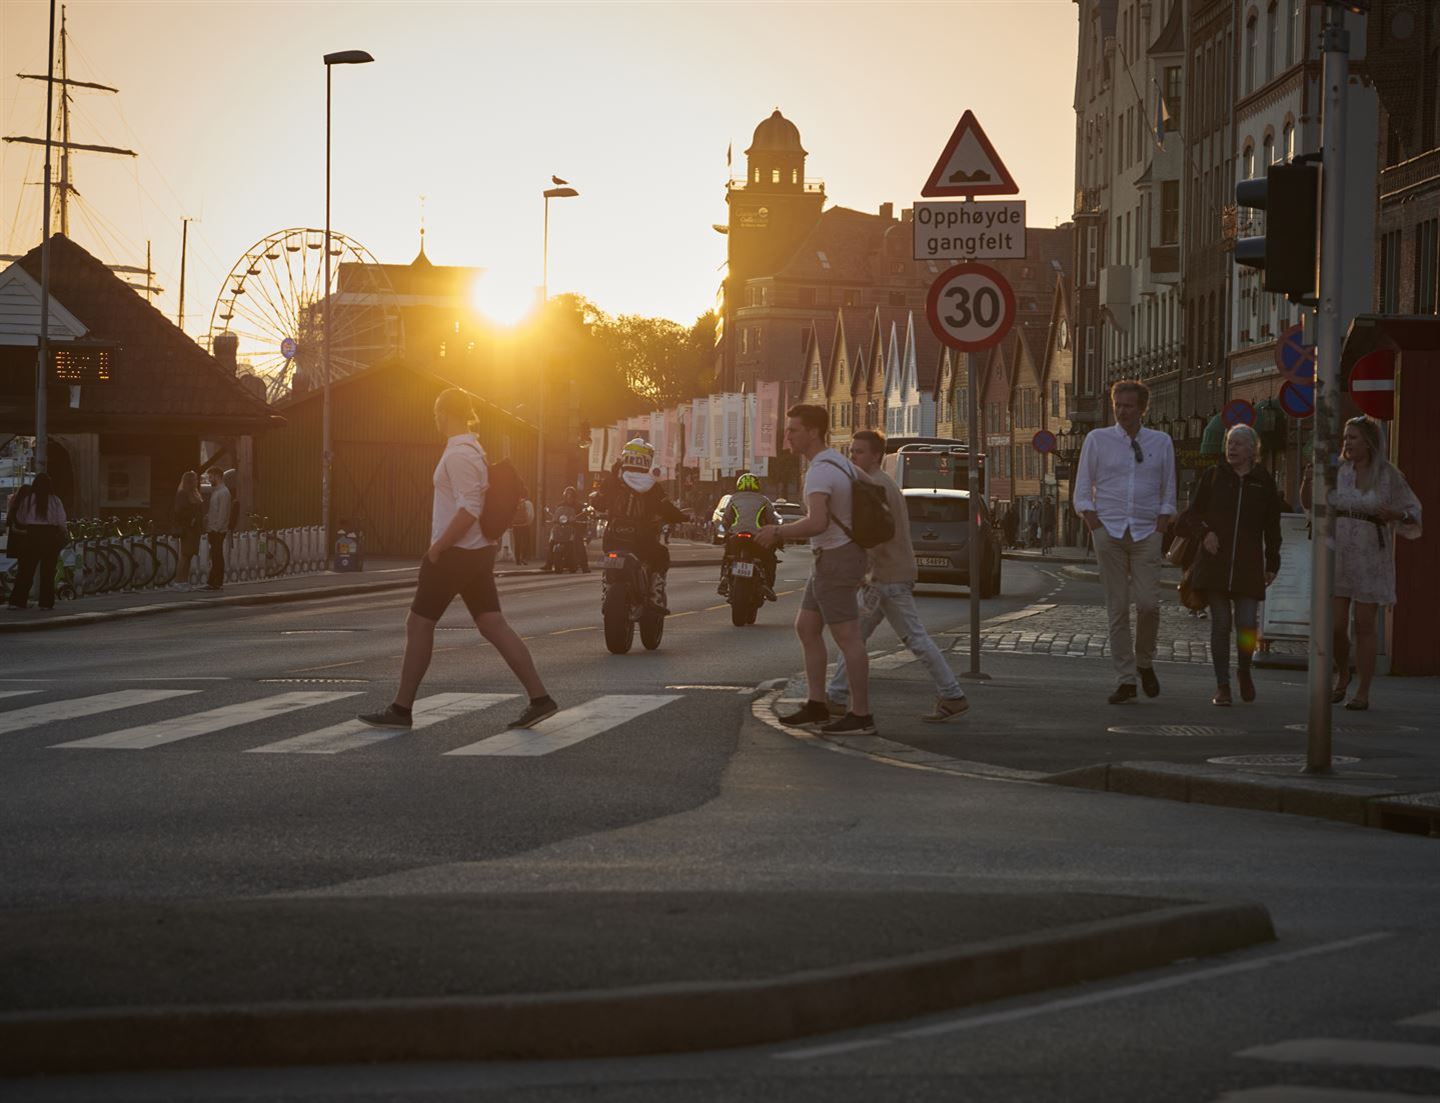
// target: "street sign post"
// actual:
[[1294, 359], [969, 165], [1237, 412], [971, 307], [1372, 384], [970, 231], [1297, 399]]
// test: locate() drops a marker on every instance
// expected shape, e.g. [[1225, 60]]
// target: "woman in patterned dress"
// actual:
[[1371, 503]]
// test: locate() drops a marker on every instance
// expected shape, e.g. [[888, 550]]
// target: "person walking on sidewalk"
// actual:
[[890, 594], [40, 516], [189, 520], [217, 527], [1371, 502], [1125, 491], [460, 561], [840, 564], [1235, 519]]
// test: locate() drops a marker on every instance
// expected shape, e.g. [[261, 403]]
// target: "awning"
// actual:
[[1212, 442]]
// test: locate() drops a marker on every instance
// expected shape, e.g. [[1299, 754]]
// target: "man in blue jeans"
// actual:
[[890, 594]]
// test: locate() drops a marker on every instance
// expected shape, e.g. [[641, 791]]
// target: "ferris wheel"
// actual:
[[273, 303]]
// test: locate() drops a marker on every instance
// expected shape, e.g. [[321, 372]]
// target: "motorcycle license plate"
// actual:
[[614, 563], [932, 561], [742, 570]]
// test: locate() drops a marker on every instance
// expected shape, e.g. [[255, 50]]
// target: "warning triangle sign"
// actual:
[[969, 165]]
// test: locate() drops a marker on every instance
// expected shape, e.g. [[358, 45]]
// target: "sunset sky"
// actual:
[[475, 105]]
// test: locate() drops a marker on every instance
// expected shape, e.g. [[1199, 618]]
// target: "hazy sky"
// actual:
[[475, 105]]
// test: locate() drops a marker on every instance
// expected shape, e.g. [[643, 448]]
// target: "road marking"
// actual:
[[567, 631], [327, 666], [16, 692], [1291, 1093], [1069, 1003], [350, 734], [712, 608], [72, 709], [201, 723], [1348, 1051], [569, 727]]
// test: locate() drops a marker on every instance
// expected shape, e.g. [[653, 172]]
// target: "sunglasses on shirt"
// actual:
[[1135, 447]]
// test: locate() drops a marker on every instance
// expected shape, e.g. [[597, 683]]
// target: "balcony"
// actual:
[[1117, 286], [1411, 174], [1161, 266]]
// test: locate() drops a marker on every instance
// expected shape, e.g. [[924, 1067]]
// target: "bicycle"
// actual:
[[274, 553]]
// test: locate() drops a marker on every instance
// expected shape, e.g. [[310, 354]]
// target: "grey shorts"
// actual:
[[834, 584]]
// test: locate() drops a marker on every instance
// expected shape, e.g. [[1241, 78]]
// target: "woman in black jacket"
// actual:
[[1236, 518]]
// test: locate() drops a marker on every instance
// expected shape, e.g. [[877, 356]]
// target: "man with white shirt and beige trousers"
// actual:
[[1125, 492]]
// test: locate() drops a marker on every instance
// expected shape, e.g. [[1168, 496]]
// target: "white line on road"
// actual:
[[350, 734], [72, 709], [569, 727], [1294, 1093], [1069, 1003], [1348, 1051], [16, 692], [201, 723]]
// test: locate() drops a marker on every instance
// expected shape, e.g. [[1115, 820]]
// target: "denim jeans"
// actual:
[[895, 602], [1247, 614]]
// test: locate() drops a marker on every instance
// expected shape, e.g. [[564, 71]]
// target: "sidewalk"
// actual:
[[379, 576], [341, 980], [1043, 717]]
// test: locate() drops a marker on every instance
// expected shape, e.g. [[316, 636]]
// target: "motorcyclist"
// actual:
[[568, 512], [636, 507], [748, 510]]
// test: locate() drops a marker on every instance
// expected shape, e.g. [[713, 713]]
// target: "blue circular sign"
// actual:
[[1043, 441], [1297, 399], [1237, 412], [287, 348]]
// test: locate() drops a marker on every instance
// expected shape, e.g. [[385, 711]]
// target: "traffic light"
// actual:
[[1289, 253]]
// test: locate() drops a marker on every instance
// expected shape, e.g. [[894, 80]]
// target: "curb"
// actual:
[[1361, 804], [624, 1022], [281, 597], [1086, 574]]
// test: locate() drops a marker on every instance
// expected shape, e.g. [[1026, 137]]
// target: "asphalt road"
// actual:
[[693, 795]]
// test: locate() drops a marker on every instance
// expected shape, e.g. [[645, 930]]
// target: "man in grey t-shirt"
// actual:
[[830, 599]]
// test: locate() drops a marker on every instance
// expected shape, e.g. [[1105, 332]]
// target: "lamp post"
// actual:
[[341, 57], [560, 191]]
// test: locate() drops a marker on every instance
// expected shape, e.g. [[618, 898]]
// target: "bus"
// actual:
[[934, 463]]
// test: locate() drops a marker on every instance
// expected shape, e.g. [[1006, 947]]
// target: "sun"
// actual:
[[504, 302]]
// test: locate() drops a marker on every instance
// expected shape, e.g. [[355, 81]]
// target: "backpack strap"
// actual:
[[835, 517]]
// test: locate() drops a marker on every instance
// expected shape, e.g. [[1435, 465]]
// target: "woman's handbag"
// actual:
[[1193, 599], [1181, 552]]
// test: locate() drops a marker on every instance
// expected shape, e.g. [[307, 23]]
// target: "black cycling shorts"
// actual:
[[468, 572]]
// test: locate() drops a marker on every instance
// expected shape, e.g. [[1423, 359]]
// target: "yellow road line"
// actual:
[[565, 631], [328, 666]]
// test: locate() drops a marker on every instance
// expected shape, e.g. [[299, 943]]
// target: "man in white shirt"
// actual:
[[217, 527], [460, 562], [1125, 491], [831, 594]]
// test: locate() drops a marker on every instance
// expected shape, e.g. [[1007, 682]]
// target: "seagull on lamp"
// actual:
[[558, 182]]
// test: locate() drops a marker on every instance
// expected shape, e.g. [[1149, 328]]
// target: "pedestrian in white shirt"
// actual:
[[217, 527], [1125, 491], [460, 562]]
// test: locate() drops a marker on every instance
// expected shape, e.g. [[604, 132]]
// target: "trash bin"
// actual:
[[349, 554]]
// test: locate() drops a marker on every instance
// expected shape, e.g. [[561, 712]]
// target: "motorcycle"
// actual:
[[627, 600], [745, 575], [567, 544]]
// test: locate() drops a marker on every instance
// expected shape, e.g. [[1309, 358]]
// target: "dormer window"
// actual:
[[822, 258], [774, 176]]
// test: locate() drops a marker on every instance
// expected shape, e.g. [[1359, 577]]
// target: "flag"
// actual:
[[729, 150], [1162, 117]]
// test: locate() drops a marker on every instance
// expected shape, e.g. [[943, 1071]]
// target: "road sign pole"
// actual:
[[972, 482], [1335, 76]]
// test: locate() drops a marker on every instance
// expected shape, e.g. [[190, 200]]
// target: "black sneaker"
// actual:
[[850, 724], [1149, 682], [811, 712], [1122, 694], [536, 711], [769, 594], [390, 718]]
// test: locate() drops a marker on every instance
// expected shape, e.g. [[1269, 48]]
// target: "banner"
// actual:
[[707, 470], [672, 440], [656, 430], [614, 438], [597, 449], [699, 447], [734, 446], [767, 418], [747, 428], [761, 466], [715, 441], [686, 416]]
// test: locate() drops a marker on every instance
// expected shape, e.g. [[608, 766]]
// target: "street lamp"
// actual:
[[341, 57], [560, 191]]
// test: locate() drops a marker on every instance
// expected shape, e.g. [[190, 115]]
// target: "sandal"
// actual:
[[1338, 693], [1357, 704]]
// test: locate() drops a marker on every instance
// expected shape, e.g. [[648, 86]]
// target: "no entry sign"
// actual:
[[971, 307], [1372, 384]]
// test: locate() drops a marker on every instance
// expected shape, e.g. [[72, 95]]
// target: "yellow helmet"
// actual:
[[637, 455], [747, 481]]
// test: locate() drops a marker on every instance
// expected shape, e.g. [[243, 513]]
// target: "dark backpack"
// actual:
[[502, 499], [870, 515]]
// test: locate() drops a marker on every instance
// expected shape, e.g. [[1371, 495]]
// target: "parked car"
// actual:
[[717, 520], [940, 532], [788, 511]]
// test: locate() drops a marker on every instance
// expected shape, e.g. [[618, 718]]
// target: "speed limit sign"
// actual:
[[971, 307]]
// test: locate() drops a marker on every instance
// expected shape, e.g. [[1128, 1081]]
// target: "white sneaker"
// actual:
[[180, 586]]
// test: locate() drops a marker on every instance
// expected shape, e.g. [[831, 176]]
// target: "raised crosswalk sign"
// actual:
[[969, 165]]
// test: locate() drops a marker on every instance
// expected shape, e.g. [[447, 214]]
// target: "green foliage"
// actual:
[[657, 361]]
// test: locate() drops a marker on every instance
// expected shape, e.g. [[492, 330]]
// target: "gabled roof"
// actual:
[[157, 371], [928, 351], [853, 244], [1171, 39], [1030, 341], [20, 312], [820, 336]]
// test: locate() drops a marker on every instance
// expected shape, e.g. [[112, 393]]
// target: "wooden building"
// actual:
[[386, 447]]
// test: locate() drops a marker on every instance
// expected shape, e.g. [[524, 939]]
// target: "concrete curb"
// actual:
[[1086, 574], [1359, 802], [662, 1018], [279, 597]]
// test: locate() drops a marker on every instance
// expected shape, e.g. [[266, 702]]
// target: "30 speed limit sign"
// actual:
[[971, 307]]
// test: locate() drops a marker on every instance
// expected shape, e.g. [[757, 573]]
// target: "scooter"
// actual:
[[745, 578], [567, 545]]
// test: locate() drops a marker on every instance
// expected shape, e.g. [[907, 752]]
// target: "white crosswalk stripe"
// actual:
[[351, 734], [569, 727], [201, 723], [1295, 1093], [1348, 1051], [74, 708]]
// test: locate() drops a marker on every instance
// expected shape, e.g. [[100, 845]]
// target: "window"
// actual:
[[794, 176], [1287, 142], [1173, 98], [1251, 46], [897, 298], [1169, 212], [744, 340], [1390, 272], [1092, 259], [1293, 44], [805, 296], [774, 176], [850, 297], [1272, 41], [1088, 381], [822, 258], [1427, 241]]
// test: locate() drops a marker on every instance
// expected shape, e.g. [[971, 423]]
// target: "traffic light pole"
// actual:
[[1329, 336]]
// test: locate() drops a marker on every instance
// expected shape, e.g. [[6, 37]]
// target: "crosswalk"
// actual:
[[331, 734], [1415, 1054]]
